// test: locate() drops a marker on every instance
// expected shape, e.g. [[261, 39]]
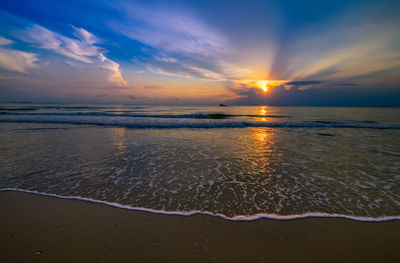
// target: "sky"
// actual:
[[288, 52]]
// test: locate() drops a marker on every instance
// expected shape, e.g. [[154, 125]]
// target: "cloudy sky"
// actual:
[[287, 52]]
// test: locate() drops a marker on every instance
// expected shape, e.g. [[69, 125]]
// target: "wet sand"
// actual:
[[46, 229]]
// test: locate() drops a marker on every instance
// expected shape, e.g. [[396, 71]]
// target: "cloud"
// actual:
[[14, 60], [165, 59], [179, 69], [153, 87], [178, 44], [116, 76], [325, 96], [18, 61], [77, 49], [82, 49], [5, 41], [347, 84], [85, 36], [303, 82], [169, 29]]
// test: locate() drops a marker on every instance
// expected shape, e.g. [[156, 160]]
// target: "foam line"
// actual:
[[195, 212]]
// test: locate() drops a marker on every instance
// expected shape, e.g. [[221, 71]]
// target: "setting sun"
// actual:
[[265, 85]]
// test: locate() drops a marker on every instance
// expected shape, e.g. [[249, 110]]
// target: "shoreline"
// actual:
[[48, 229], [191, 213]]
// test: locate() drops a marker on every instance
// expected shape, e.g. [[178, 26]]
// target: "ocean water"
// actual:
[[236, 162]]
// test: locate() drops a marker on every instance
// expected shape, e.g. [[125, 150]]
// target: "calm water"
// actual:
[[236, 162]]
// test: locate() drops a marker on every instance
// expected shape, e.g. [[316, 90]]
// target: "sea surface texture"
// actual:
[[237, 162]]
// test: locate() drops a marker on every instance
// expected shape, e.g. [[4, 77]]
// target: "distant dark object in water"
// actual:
[[325, 134], [222, 105]]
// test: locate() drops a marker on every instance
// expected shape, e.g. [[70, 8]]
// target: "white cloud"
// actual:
[[86, 36], [18, 61], [73, 48], [116, 76], [165, 59], [171, 30], [181, 45], [5, 41], [82, 49]]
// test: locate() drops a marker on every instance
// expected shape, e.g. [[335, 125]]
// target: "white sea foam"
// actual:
[[196, 212], [157, 123]]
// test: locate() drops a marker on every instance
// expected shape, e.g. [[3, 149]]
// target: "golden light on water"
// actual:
[[261, 135], [263, 112]]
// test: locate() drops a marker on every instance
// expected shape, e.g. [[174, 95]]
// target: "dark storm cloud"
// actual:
[[325, 96], [303, 82]]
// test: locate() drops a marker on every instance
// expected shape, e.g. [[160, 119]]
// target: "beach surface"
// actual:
[[37, 228]]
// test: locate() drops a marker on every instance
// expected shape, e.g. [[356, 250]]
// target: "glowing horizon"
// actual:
[[140, 53]]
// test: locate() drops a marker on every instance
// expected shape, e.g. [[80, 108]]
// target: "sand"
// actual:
[[38, 228]]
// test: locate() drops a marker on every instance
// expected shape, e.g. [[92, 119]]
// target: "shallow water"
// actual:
[[328, 161]]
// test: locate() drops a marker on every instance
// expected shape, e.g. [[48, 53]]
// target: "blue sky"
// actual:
[[201, 52]]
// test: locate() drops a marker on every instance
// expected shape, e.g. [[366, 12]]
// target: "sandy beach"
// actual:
[[38, 228]]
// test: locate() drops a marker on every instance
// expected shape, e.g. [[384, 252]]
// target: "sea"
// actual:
[[234, 162]]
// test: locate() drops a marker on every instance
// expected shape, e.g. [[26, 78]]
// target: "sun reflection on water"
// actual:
[[262, 111], [261, 135], [119, 139]]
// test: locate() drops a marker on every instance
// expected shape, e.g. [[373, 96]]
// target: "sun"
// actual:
[[267, 85], [263, 85], [264, 88]]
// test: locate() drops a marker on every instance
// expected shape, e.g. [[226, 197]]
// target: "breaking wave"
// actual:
[[157, 123]]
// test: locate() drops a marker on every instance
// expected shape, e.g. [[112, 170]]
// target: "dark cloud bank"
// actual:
[[328, 96]]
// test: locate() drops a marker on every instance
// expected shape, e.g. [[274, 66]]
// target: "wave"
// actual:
[[33, 108], [196, 212], [198, 115], [18, 109], [143, 123]]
